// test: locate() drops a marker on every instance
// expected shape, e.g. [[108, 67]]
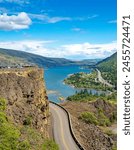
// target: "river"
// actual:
[[54, 81]]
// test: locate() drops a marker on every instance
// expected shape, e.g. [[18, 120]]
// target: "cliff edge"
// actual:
[[26, 96]]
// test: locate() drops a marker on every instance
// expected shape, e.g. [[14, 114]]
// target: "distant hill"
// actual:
[[13, 56], [108, 60], [11, 61], [108, 67]]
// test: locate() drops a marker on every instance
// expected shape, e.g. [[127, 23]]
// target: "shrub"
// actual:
[[24, 145], [89, 117], [2, 104], [103, 120], [50, 145], [9, 136], [27, 121], [3, 118], [114, 147], [109, 132]]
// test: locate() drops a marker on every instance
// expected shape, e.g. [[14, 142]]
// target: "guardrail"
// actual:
[[70, 125]]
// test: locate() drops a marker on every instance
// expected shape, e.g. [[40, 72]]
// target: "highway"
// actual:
[[100, 78], [62, 135]]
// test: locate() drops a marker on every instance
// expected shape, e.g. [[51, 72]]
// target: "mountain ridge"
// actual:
[[41, 61]]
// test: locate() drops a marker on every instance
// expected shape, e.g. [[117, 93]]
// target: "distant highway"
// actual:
[[62, 135], [100, 78]]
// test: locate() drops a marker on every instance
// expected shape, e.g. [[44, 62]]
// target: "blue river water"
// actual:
[[54, 81]]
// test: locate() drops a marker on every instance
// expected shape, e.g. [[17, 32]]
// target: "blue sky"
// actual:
[[74, 29]]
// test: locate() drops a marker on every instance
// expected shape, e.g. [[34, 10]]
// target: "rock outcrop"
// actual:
[[91, 136], [25, 92]]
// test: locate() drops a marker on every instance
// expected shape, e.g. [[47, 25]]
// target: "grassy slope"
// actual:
[[108, 67], [23, 137]]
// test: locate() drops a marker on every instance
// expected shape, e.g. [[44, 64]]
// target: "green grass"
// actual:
[[9, 134], [2, 104], [89, 117], [50, 145], [86, 80], [103, 119], [109, 132], [21, 138], [98, 118]]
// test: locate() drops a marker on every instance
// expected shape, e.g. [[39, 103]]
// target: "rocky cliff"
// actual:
[[27, 101]]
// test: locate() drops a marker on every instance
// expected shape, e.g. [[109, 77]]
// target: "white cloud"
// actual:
[[76, 29], [15, 22], [86, 18], [49, 19], [88, 50], [16, 1], [72, 51], [58, 19], [112, 21]]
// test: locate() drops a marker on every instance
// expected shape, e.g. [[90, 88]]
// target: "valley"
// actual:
[[88, 94]]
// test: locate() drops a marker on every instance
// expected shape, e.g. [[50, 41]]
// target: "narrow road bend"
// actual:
[[61, 131]]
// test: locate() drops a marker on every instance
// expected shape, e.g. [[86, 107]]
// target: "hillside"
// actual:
[[108, 67], [12, 57], [24, 110], [11, 61]]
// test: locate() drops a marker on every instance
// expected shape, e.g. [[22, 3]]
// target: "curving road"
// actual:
[[62, 135], [100, 78]]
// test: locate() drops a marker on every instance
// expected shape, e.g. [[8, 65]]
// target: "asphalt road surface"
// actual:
[[62, 135], [102, 80]]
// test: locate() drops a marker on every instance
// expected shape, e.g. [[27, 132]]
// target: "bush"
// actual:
[[3, 118], [109, 132], [50, 145], [9, 136], [89, 117], [24, 145], [2, 104], [114, 147], [27, 121], [103, 120]]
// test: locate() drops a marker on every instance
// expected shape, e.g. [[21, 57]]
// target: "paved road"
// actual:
[[100, 78], [61, 130]]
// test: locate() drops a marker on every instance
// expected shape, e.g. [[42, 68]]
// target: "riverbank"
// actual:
[[92, 80]]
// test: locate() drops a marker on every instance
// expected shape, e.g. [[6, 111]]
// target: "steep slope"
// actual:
[[91, 137], [108, 67], [26, 106], [108, 61], [26, 95]]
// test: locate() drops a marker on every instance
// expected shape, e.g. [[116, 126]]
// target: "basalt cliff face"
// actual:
[[27, 101]]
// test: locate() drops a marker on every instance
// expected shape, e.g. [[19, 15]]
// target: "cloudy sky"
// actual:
[[74, 29]]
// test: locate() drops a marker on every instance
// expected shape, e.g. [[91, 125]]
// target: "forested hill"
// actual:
[[8, 57], [108, 67]]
